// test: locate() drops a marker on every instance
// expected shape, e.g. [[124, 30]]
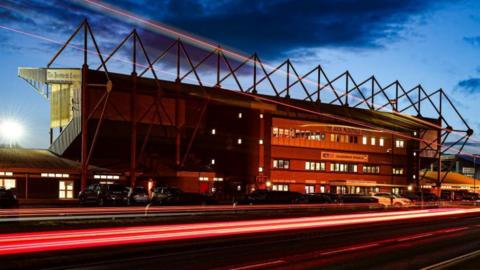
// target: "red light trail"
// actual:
[[17, 243]]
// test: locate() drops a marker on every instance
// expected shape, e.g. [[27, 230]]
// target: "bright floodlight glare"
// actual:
[[11, 131]]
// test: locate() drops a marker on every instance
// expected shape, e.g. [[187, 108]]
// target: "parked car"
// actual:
[[7, 198], [356, 198], [470, 196], [389, 199], [411, 196], [320, 198], [175, 196], [273, 197], [102, 194], [137, 195], [427, 196]]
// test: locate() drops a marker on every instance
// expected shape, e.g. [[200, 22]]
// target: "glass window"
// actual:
[[397, 171], [364, 140], [65, 189], [314, 166], [8, 183], [309, 189], [399, 143], [281, 164], [343, 167], [375, 169], [381, 142], [280, 187], [373, 141], [275, 132]]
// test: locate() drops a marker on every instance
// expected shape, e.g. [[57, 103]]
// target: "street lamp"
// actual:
[[11, 131]]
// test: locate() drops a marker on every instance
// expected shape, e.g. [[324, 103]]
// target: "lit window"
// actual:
[[309, 189], [381, 142], [314, 166], [55, 175], [275, 132], [260, 169], [8, 183], [202, 178], [280, 187], [373, 141], [364, 140], [260, 141], [343, 167], [281, 164], [65, 189], [414, 154], [212, 161], [213, 131], [6, 173], [371, 169], [399, 143], [397, 171], [261, 115], [240, 115], [218, 179], [239, 141]]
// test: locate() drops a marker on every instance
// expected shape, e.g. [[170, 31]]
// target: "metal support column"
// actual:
[[133, 117]]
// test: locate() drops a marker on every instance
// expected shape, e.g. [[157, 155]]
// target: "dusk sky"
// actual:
[[435, 43]]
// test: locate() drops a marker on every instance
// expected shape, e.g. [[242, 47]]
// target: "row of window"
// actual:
[[336, 189], [65, 188], [337, 138], [334, 167]]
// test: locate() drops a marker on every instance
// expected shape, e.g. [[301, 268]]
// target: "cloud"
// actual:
[[475, 41], [274, 27], [470, 86]]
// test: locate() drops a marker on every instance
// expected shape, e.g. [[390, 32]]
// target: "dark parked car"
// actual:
[[469, 196], [273, 197], [175, 196], [137, 195], [427, 196], [412, 196], [357, 198], [102, 194], [458, 195], [7, 198], [321, 198]]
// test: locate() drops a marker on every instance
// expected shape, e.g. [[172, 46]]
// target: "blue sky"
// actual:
[[435, 43]]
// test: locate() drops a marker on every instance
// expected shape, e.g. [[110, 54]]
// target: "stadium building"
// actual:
[[261, 132]]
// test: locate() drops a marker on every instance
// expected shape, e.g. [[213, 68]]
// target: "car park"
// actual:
[[427, 196], [137, 195], [320, 198], [356, 198], [389, 199], [411, 196], [7, 198], [103, 194], [175, 196], [273, 197]]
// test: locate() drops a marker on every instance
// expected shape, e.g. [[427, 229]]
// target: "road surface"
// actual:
[[395, 240]]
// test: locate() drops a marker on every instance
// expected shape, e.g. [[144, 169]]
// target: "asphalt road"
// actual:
[[389, 244]]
